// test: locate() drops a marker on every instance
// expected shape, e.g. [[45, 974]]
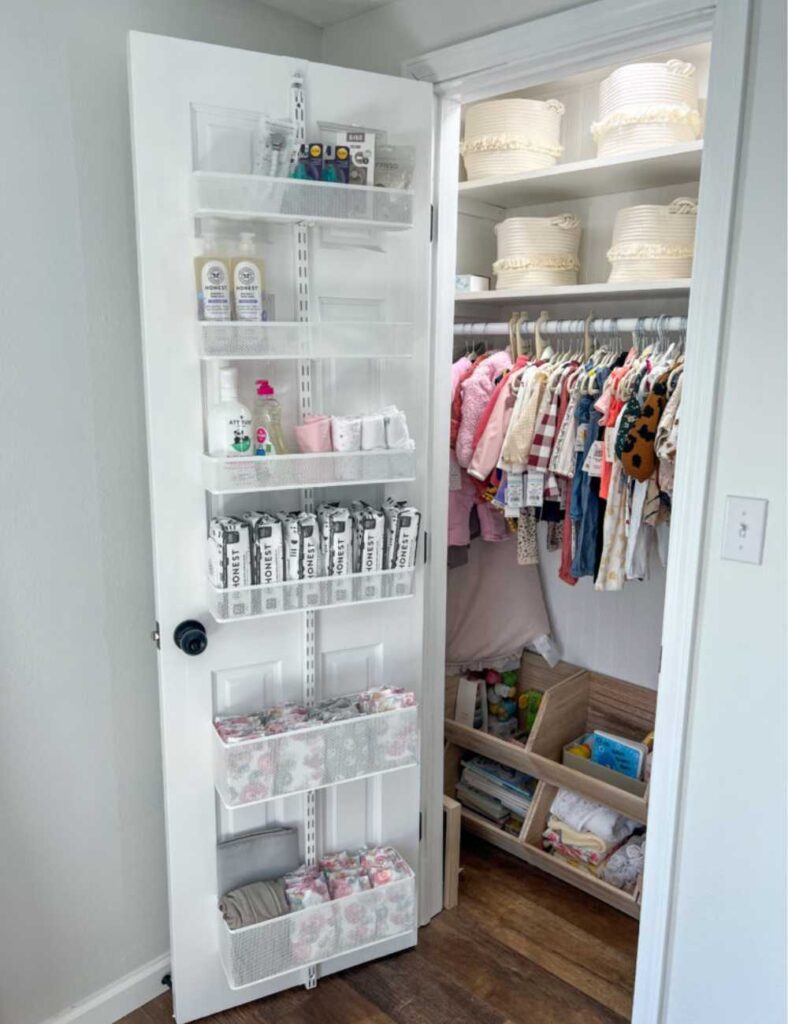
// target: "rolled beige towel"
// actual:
[[254, 903]]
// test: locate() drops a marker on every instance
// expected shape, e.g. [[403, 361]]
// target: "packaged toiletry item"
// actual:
[[299, 168], [301, 543], [248, 280], [329, 172], [346, 433], [265, 538], [360, 146], [274, 147], [368, 537], [268, 439], [402, 534], [341, 164], [394, 166], [336, 539], [212, 281], [229, 561], [471, 283], [229, 422], [310, 162]]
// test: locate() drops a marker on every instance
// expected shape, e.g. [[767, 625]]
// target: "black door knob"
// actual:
[[190, 637]]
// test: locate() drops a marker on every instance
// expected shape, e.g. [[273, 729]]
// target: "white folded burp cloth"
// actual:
[[397, 435], [346, 433], [373, 432]]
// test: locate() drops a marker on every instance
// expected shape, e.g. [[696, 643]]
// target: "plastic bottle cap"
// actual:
[[264, 388]]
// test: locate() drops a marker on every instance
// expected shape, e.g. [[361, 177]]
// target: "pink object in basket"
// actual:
[[314, 435]]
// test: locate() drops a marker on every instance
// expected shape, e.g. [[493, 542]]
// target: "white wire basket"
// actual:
[[286, 340], [317, 469], [303, 595], [255, 197], [306, 937], [255, 770]]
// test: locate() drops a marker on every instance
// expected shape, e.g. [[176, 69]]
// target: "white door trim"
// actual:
[[543, 50]]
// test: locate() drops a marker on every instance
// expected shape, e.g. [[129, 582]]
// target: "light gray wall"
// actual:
[[82, 874], [727, 961]]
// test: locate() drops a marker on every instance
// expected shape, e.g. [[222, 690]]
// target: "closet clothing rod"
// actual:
[[625, 325]]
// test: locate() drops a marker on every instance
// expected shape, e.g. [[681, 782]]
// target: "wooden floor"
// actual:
[[521, 948]]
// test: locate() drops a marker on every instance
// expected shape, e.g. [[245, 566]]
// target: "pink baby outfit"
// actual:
[[492, 427], [476, 392], [492, 523]]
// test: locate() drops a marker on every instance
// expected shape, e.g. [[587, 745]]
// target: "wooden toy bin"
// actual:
[[579, 705]]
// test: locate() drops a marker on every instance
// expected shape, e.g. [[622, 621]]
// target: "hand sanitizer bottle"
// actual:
[[247, 275], [268, 438], [213, 282], [229, 422]]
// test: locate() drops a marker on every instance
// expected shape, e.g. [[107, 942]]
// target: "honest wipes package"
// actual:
[[402, 534], [368, 537], [265, 542], [229, 556], [336, 539]]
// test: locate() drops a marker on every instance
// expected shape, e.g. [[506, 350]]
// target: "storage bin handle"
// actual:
[[556, 106]]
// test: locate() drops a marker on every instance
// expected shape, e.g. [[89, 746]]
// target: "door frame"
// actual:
[[542, 50]]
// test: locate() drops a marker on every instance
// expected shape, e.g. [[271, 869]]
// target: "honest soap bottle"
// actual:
[[212, 280], [248, 280], [229, 422]]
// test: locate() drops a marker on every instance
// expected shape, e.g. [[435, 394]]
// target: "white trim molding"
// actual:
[[586, 37], [119, 999]]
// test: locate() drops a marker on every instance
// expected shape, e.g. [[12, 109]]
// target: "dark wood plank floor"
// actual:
[[521, 948]]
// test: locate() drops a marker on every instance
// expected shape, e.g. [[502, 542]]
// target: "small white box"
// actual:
[[471, 283]]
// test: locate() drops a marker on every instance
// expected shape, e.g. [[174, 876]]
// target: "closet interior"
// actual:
[[576, 218]]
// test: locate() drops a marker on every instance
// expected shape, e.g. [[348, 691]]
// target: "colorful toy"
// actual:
[[528, 704]]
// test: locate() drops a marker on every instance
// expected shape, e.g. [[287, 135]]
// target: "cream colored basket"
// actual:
[[653, 243], [645, 106], [511, 136], [537, 251]]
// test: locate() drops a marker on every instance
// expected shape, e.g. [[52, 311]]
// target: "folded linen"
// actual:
[[254, 903], [624, 867], [584, 846], [585, 815]]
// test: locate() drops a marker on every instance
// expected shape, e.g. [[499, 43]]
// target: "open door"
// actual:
[[347, 278]]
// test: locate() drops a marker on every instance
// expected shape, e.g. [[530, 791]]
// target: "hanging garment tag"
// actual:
[[514, 495], [534, 489], [580, 438], [455, 477], [593, 461]]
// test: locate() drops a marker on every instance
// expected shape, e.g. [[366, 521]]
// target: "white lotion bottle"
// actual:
[[229, 422], [248, 280], [212, 279]]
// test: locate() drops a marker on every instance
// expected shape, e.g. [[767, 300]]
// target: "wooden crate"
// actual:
[[579, 705], [536, 854]]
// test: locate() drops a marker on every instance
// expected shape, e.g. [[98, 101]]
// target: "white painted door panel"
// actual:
[[251, 663]]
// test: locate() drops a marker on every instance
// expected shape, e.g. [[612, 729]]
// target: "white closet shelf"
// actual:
[[352, 339], [317, 934], [311, 594], [250, 474], [674, 288], [290, 200], [671, 165], [315, 758]]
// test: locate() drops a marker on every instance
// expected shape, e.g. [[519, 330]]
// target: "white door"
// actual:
[[349, 272]]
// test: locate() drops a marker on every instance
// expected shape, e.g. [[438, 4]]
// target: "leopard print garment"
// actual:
[[638, 456]]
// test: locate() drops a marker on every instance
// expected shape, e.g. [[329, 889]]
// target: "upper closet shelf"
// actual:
[[677, 288], [291, 340], [290, 200], [673, 165]]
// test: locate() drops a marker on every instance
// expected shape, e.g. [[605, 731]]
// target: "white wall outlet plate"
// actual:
[[744, 530]]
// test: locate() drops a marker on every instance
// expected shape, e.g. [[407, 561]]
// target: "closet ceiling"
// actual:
[[325, 12]]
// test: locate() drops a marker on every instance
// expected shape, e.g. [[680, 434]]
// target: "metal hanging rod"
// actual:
[[623, 325]]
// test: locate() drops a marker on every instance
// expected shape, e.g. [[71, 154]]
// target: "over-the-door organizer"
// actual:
[[321, 555], [285, 319]]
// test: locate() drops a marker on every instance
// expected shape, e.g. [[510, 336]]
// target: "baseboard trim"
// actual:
[[116, 1000]]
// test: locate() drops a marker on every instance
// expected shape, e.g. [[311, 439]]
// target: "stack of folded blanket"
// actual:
[[595, 838]]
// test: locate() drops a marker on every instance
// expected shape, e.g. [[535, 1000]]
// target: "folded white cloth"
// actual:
[[397, 435], [624, 867], [588, 816], [373, 432], [346, 433]]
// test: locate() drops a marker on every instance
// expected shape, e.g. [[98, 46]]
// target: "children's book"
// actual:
[[619, 754]]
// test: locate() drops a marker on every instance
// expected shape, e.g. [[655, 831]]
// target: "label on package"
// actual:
[[534, 489], [368, 537], [265, 534], [514, 495], [229, 558], [335, 539], [403, 522]]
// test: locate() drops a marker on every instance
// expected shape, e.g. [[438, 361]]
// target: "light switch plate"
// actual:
[[745, 526]]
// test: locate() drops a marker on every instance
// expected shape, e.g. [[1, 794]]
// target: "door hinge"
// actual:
[[432, 222], [155, 636], [426, 547], [421, 823]]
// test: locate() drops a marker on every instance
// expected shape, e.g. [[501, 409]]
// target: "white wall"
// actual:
[[82, 875], [728, 957], [727, 961]]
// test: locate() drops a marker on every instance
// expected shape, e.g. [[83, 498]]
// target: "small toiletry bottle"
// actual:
[[213, 281], [229, 422], [268, 438], [299, 171], [248, 280], [329, 173]]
